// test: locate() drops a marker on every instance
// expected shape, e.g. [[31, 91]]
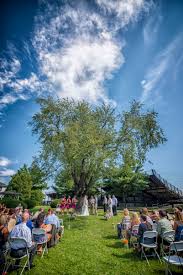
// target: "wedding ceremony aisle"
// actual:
[[90, 246]]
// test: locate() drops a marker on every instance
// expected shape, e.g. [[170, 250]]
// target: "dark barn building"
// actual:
[[159, 192]]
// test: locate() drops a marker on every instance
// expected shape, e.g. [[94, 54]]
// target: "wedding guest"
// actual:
[[52, 219], [96, 205], [163, 225], [109, 202], [92, 205], [114, 205], [105, 204], [39, 223], [3, 232], [74, 201], [125, 224], [146, 213], [178, 226], [37, 213], [21, 230], [143, 227], [134, 221], [154, 216], [63, 204]]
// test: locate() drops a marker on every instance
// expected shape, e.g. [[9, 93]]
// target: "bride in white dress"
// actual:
[[84, 210]]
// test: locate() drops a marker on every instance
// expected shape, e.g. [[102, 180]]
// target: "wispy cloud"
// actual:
[[163, 64], [74, 48], [7, 172], [151, 28], [5, 161]]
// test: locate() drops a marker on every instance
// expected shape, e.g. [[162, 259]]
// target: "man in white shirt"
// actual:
[[22, 231], [114, 205]]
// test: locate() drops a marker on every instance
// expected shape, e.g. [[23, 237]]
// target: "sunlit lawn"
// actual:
[[90, 246]]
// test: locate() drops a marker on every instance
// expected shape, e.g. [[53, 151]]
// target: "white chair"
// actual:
[[40, 238], [10, 259], [175, 259], [170, 235], [149, 242], [154, 227], [134, 233]]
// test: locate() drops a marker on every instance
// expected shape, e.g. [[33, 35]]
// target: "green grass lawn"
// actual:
[[90, 246]]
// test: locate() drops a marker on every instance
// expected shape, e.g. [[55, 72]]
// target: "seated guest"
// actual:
[[154, 216], [146, 213], [178, 226], [143, 227], [29, 222], [22, 231], [134, 221], [52, 219], [11, 220], [3, 232], [125, 223], [37, 213], [39, 223], [163, 225]]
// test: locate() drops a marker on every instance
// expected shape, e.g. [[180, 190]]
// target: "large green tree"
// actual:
[[76, 139], [80, 142]]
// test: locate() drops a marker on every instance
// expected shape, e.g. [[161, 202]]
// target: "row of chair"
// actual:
[[39, 237], [150, 242]]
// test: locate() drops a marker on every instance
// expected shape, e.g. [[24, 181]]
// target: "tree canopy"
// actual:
[[80, 142]]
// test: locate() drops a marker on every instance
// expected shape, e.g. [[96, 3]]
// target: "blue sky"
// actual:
[[100, 50]]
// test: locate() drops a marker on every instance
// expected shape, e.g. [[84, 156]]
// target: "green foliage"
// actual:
[[38, 176], [37, 196], [29, 182], [64, 184], [30, 203], [21, 182], [10, 203], [80, 142], [124, 182], [54, 203], [76, 139], [139, 133]]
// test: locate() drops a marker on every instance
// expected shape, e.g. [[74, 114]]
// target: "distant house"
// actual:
[[3, 187]]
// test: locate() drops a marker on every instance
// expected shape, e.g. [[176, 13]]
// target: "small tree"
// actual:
[[21, 182]]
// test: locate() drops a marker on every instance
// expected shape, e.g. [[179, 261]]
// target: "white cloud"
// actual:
[[126, 11], [4, 161], [7, 172], [76, 49], [164, 62]]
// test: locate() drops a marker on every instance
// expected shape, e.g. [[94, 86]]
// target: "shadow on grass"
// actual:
[[128, 255], [110, 237], [115, 245]]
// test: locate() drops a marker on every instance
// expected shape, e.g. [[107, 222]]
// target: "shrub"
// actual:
[[10, 202], [54, 203], [30, 203]]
